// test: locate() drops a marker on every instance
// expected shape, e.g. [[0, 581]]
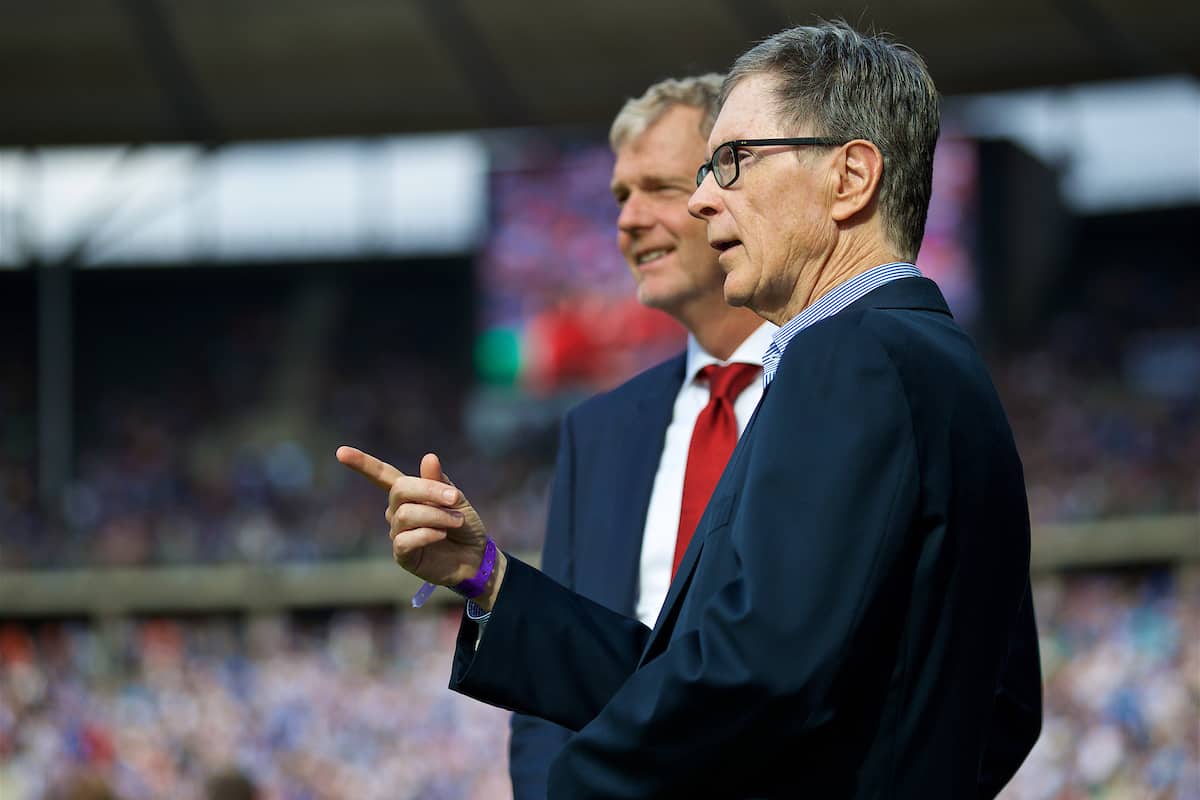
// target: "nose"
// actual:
[[705, 202]]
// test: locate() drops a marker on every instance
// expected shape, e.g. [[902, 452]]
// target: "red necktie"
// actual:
[[713, 440]]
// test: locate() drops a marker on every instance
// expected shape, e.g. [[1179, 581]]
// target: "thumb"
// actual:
[[431, 469]]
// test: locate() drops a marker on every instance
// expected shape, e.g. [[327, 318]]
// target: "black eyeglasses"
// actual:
[[724, 164]]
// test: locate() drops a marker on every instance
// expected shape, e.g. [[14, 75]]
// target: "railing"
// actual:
[[374, 582]]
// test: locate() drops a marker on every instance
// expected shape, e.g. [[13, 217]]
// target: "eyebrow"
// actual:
[[651, 182]]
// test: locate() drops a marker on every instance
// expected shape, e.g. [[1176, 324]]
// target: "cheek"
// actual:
[[754, 243], [765, 227], [683, 227], [623, 245]]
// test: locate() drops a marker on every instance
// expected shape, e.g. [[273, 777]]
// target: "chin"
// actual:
[[657, 300], [735, 301], [660, 291], [734, 295]]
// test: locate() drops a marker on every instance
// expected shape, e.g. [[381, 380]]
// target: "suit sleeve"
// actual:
[[1017, 714], [535, 741], [547, 651], [829, 490]]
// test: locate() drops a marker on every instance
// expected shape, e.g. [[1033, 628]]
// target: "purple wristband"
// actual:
[[473, 587], [423, 594]]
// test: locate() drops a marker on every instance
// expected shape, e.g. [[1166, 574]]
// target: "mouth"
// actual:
[[648, 256], [724, 245]]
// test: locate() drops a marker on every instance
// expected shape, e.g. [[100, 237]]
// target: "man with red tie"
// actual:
[[661, 440]]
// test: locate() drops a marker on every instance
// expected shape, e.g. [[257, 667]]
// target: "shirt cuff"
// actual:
[[477, 614]]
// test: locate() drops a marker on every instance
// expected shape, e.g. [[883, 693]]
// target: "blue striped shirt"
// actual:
[[829, 304]]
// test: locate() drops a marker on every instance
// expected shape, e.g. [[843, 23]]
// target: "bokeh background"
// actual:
[[236, 235]]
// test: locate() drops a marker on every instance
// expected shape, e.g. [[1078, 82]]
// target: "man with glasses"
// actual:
[[852, 618], [643, 441]]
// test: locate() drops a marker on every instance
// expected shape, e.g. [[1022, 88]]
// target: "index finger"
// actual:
[[381, 473]]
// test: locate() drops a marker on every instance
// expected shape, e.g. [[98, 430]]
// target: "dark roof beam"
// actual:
[[181, 90], [498, 100]]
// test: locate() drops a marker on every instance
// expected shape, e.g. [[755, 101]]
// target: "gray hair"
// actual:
[[639, 113], [850, 86]]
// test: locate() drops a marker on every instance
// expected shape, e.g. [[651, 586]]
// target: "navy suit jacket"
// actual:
[[852, 618], [609, 447]]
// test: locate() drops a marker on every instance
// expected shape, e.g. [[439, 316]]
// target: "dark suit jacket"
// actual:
[[852, 618], [609, 447]]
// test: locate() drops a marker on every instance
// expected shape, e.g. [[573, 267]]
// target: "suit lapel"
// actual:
[[714, 515], [916, 293], [638, 451]]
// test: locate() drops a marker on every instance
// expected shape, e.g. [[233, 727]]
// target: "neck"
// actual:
[[723, 330], [838, 267]]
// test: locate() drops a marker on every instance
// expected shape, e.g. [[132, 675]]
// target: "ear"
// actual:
[[858, 169]]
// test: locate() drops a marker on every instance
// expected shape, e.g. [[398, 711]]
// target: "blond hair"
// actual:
[[639, 113]]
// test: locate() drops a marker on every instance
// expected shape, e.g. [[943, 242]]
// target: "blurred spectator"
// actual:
[[83, 785], [230, 784]]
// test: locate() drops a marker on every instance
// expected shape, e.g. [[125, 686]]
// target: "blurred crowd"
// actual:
[[1121, 672], [213, 441], [1105, 404], [355, 705], [1095, 446], [215, 459], [350, 706]]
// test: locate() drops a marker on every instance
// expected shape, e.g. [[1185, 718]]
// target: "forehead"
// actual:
[[749, 112], [672, 143]]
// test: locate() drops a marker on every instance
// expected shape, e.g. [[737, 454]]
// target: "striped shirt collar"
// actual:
[[829, 304]]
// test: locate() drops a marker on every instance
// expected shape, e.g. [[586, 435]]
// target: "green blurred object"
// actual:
[[498, 356]]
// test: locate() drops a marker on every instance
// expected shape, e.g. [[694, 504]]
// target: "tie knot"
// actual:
[[729, 381]]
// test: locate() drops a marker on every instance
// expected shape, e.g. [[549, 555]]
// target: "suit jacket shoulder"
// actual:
[[648, 384], [609, 447]]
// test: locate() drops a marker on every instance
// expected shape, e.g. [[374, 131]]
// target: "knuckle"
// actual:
[[406, 513], [399, 489]]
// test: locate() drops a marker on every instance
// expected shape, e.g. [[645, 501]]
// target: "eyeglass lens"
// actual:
[[725, 165]]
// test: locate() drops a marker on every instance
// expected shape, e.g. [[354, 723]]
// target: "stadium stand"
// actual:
[[206, 418]]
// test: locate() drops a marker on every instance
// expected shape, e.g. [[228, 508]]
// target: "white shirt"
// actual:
[[666, 498]]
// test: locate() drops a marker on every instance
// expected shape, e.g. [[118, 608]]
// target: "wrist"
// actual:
[[481, 588], [487, 599], [476, 584]]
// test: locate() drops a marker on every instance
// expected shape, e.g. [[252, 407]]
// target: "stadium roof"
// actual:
[[74, 71]]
